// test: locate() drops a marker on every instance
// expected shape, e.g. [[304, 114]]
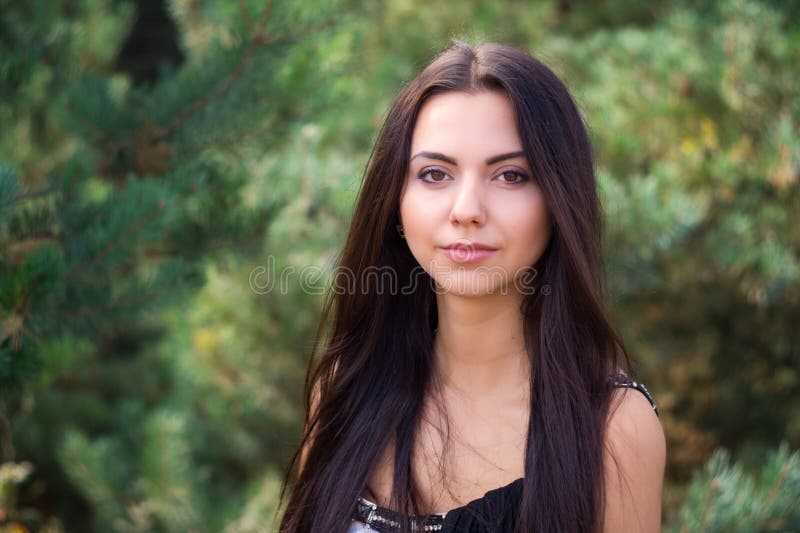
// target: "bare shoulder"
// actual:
[[634, 461]]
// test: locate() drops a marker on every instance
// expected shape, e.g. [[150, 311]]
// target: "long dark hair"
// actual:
[[376, 360]]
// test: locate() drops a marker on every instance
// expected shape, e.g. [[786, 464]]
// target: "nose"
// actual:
[[468, 206]]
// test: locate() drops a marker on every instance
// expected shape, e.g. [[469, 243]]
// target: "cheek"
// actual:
[[533, 230], [416, 209], [418, 215]]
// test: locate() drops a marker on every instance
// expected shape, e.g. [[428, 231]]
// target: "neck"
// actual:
[[479, 346]]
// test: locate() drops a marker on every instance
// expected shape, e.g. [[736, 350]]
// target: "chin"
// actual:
[[471, 284]]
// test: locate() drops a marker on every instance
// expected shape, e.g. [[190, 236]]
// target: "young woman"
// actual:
[[470, 378]]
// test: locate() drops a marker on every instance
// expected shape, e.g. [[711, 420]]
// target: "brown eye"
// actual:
[[433, 175], [513, 177]]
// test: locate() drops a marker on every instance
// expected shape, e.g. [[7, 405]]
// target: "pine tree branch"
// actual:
[[237, 138], [245, 16], [100, 136], [6, 442], [19, 248], [90, 478], [257, 40], [712, 492], [710, 495], [29, 195], [47, 235], [13, 323], [139, 298], [32, 333], [286, 37], [111, 245], [773, 493], [226, 84]]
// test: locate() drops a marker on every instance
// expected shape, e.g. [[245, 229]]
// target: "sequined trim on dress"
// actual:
[[621, 380], [384, 520]]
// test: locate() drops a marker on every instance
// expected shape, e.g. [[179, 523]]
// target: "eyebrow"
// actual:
[[447, 159]]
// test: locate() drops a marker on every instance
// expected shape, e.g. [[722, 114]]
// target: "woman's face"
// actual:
[[472, 213]]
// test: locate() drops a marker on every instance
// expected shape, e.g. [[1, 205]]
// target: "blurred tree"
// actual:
[[117, 192], [702, 197], [151, 387], [695, 118], [724, 497]]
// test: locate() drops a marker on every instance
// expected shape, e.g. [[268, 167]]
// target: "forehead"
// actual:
[[458, 123]]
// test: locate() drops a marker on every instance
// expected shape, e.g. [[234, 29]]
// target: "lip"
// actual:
[[464, 243], [468, 252]]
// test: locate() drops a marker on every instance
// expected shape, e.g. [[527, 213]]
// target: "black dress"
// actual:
[[495, 512]]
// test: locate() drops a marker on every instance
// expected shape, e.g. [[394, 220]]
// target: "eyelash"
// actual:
[[522, 177]]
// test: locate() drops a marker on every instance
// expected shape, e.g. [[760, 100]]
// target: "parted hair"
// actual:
[[372, 361]]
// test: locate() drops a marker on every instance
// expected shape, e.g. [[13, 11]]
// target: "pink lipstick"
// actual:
[[468, 252]]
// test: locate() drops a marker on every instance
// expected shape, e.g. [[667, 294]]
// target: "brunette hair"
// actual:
[[368, 385]]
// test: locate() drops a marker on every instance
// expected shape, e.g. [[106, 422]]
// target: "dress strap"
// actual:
[[621, 380], [388, 521]]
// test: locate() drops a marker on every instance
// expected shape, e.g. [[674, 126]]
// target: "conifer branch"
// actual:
[[100, 136], [712, 492], [226, 84], [111, 245], [245, 16], [778, 484], [774, 491], [29, 195], [84, 312], [18, 248], [6, 442], [10, 328], [258, 39], [286, 37], [237, 137], [45, 235], [13, 323]]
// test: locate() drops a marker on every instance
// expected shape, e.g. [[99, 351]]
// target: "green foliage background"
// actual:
[[150, 381]]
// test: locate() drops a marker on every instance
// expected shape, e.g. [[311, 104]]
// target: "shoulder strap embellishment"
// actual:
[[621, 380], [386, 521]]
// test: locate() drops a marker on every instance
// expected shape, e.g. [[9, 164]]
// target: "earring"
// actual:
[[401, 231]]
